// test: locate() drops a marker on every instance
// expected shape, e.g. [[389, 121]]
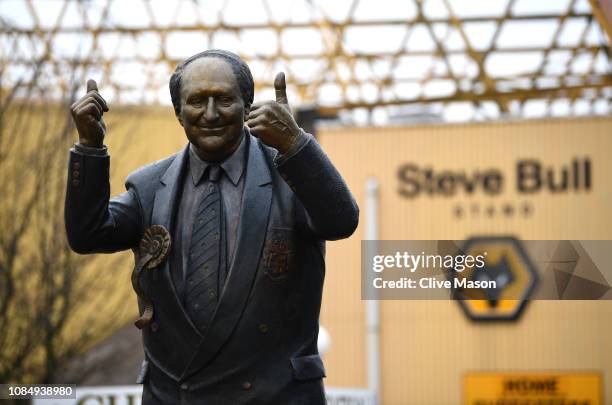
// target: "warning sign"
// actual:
[[533, 389]]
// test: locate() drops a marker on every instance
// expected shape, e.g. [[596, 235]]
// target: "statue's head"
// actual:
[[212, 93]]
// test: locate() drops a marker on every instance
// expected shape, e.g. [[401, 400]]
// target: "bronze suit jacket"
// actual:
[[261, 346]]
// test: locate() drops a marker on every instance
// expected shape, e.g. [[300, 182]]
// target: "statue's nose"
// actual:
[[211, 113]]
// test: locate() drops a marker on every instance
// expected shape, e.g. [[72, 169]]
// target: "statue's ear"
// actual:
[[179, 118], [247, 110]]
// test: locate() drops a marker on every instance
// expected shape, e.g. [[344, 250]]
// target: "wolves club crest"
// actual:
[[279, 253]]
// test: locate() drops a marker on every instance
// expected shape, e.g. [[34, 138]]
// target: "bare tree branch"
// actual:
[[54, 304]]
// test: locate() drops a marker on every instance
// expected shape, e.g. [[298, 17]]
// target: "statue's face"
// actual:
[[212, 109]]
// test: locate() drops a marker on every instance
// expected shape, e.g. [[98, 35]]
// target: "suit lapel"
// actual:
[[163, 210], [254, 213], [165, 196]]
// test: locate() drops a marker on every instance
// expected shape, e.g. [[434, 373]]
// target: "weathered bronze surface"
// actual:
[[274, 283]]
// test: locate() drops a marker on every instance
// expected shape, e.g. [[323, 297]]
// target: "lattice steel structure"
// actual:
[[482, 58]]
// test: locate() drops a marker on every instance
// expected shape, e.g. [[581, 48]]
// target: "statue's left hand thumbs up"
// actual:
[[272, 121]]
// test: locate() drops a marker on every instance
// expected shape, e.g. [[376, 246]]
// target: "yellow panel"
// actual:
[[428, 346], [530, 388]]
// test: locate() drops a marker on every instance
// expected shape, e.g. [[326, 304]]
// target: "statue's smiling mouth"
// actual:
[[212, 129]]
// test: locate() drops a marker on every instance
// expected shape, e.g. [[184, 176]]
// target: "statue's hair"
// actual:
[[239, 67]]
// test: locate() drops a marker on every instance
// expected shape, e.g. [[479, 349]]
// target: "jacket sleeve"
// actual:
[[332, 212], [95, 224]]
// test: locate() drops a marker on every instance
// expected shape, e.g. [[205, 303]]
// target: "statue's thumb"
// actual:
[[92, 85], [281, 89]]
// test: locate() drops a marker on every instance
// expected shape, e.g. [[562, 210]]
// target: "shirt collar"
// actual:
[[233, 166]]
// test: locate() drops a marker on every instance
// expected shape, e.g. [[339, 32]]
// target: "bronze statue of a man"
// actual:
[[234, 314]]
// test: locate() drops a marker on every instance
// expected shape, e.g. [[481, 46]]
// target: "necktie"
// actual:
[[205, 254]]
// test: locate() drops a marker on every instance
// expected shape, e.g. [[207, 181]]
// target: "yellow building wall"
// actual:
[[428, 346]]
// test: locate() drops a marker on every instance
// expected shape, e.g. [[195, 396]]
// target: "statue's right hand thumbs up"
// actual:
[[87, 115], [280, 88]]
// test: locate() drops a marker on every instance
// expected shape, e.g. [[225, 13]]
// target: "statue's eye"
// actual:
[[195, 102]]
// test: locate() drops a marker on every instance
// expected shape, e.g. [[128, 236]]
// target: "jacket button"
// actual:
[[263, 328], [75, 182], [184, 386], [76, 173], [76, 165], [247, 386], [154, 326]]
